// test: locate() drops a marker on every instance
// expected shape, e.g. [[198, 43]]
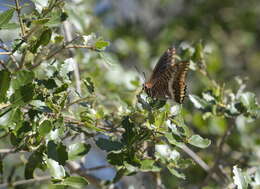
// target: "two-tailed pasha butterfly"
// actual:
[[168, 79]]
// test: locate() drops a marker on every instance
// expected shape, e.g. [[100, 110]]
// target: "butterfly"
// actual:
[[168, 79]]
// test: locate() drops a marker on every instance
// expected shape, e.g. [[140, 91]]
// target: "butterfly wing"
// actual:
[[166, 60], [158, 87], [177, 84], [168, 79]]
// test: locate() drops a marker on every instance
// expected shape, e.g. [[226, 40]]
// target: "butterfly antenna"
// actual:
[[144, 76], [139, 72]]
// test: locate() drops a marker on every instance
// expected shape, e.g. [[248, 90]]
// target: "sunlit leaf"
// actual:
[[57, 171], [6, 16], [248, 99], [101, 44], [198, 141], [78, 150], [75, 182], [89, 84], [176, 173], [239, 178], [45, 127], [9, 26], [149, 165], [198, 102]]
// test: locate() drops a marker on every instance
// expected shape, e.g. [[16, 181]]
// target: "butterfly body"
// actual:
[[168, 80]]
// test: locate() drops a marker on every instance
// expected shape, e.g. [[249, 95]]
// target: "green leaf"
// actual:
[[5, 78], [6, 16], [89, 84], [45, 128], [45, 37], [62, 88], [9, 26], [208, 96], [35, 161], [148, 165], [115, 158], [198, 141], [198, 54], [65, 68], [27, 92], [75, 182], [22, 78], [248, 99], [63, 16], [58, 39], [57, 152], [78, 150], [25, 127], [108, 145], [48, 83], [240, 179], [141, 99], [129, 135], [175, 172], [56, 171], [172, 140], [41, 21], [101, 44], [257, 177], [198, 102], [23, 95], [157, 104], [160, 119], [92, 127], [181, 126], [43, 40]]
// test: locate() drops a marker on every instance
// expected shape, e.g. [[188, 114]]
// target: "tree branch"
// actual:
[[18, 10], [219, 154], [5, 53], [9, 53], [196, 158], [28, 181]]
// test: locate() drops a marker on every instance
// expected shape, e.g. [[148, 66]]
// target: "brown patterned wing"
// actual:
[[168, 80], [177, 84], [165, 61], [158, 86], [170, 84]]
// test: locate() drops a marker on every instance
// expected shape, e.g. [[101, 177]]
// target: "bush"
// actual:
[[62, 93]]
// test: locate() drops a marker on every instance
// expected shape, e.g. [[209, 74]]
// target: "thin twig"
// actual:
[[5, 53], [98, 167], [3, 151], [3, 46], [18, 10], [28, 181], [80, 47], [78, 101]]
